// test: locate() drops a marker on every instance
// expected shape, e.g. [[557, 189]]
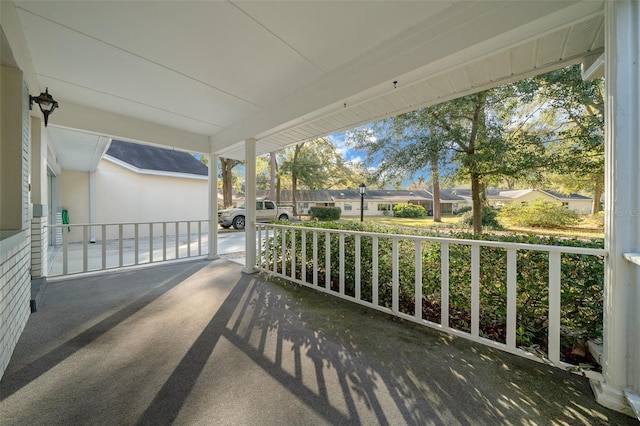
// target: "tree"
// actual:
[[315, 164], [576, 127], [473, 134], [272, 177], [403, 145], [226, 167]]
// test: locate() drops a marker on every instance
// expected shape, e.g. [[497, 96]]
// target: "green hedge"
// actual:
[[540, 214], [409, 210], [581, 294], [325, 213]]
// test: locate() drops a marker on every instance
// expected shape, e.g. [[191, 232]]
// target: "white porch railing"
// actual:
[[116, 245], [376, 275]]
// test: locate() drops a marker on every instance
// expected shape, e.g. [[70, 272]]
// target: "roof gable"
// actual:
[[146, 157]]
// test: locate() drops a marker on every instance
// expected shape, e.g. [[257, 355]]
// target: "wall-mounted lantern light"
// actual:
[[46, 103], [362, 188]]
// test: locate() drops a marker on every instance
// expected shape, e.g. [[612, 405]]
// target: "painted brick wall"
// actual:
[[39, 244], [15, 294]]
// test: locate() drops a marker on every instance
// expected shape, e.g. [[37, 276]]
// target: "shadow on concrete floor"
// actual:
[[202, 343]]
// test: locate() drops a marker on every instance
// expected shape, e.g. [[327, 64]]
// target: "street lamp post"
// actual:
[[362, 188]]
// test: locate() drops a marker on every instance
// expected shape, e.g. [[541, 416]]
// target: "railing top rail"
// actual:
[[440, 240], [125, 223]]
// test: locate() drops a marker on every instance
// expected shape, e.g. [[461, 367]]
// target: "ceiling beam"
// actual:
[[91, 120]]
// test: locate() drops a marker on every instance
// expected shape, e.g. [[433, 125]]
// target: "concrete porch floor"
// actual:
[[201, 343]]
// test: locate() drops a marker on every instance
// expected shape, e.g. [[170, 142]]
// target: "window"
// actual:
[[305, 205], [347, 207], [268, 205], [383, 207]]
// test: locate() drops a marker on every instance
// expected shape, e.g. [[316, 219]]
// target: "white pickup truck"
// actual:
[[266, 210]]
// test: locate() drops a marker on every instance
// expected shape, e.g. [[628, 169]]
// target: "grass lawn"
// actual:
[[588, 228], [426, 222]]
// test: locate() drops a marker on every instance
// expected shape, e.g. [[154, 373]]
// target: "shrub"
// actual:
[[462, 210], [489, 218], [409, 210], [540, 214], [325, 213]]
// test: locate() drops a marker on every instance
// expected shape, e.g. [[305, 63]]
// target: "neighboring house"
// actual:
[[136, 183], [377, 202], [498, 198]]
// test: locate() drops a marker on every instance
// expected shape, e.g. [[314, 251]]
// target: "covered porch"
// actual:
[[202, 343], [282, 79]]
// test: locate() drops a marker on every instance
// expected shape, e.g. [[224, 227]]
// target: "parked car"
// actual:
[[266, 210]]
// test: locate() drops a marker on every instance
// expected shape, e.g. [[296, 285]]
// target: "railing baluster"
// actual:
[[475, 290], [315, 258], [274, 250], [199, 238], [120, 246], [303, 251], [374, 271], [418, 280], [151, 242], [358, 269], [554, 307], [177, 240], [292, 233], [327, 260], [85, 248], [259, 246], [136, 243], [341, 262], [104, 247], [395, 282], [512, 275], [283, 248], [164, 240], [188, 238], [444, 285], [65, 251]]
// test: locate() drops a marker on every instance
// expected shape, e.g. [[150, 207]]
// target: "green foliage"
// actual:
[[540, 214], [582, 278], [409, 210], [325, 213], [489, 218], [463, 210]]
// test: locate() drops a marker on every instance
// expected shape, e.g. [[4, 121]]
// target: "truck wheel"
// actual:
[[283, 217], [238, 222]]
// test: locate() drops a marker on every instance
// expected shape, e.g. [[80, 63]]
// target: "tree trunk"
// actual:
[[437, 211], [597, 194], [272, 180], [294, 178], [294, 187], [227, 178], [476, 189]]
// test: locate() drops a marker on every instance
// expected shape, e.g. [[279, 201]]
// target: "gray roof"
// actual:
[[148, 157]]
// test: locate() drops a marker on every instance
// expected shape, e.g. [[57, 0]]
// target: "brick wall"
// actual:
[[39, 243], [15, 294]]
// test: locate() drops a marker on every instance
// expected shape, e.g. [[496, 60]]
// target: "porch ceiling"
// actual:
[[195, 75]]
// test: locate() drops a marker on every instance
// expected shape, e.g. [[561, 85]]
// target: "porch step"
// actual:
[[596, 351], [634, 401], [37, 290]]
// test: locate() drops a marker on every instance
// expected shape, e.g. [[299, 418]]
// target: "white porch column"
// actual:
[[621, 366], [213, 206], [250, 204]]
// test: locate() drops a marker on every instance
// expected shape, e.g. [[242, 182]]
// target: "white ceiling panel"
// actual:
[[224, 71], [331, 33]]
